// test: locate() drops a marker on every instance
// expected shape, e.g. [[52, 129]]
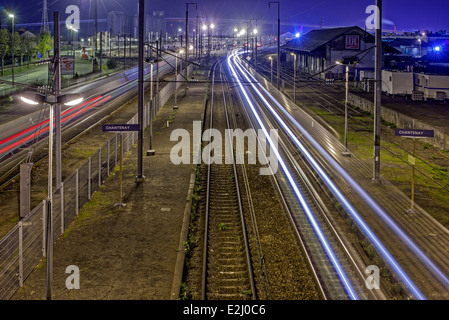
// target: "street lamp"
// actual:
[[12, 47], [270, 5], [271, 60], [187, 27], [346, 152], [176, 75], [294, 76], [72, 31], [255, 31], [69, 100], [420, 46], [212, 27]]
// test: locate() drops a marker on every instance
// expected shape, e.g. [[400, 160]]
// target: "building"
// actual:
[[415, 47], [397, 82], [427, 86], [158, 23], [318, 51], [121, 22], [433, 86]]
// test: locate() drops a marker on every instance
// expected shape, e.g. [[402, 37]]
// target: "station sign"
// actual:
[[120, 127], [414, 133]]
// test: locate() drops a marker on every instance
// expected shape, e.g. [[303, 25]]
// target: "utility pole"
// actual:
[[101, 54], [13, 60], [378, 92], [187, 27], [278, 39], [94, 40], [294, 76], [57, 90], [53, 109], [140, 101]]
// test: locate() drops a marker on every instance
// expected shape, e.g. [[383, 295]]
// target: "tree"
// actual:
[[44, 44], [17, 47], [4, 46], [28, 47]]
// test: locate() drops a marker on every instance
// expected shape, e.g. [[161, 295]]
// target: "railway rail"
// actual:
[[227, 267], [423, 240]]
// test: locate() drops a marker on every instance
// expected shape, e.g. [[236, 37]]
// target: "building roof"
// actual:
[[316, 38]]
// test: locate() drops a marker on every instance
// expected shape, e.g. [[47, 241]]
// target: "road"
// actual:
[[18, 135]]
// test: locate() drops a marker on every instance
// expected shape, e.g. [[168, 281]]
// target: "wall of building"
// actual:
[[433, 86], [397, 82], [441, 139]]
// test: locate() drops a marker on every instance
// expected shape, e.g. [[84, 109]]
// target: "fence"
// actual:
[[25, 245]]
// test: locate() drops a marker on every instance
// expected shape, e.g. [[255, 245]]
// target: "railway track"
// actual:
[[227, 267], [424, 241], [330, 259], [76, 127]]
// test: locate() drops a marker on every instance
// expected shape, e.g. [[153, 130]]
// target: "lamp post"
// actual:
[[12, 47], [271, 60], [378, 93], [420, 46], [187, 26], [176, 75], [69, 100], [204, 28], [294, 76], [346, 152], [271, 4], [54, 112], [255, 47], [141, 91], [212, 27], [72, 31]]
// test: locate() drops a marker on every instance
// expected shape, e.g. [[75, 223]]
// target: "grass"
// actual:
[[394, 162], [99, 200]]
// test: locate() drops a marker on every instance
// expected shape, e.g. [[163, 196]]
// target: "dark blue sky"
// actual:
[[406, 15]]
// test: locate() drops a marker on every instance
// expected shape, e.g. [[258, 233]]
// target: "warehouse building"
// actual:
[[318, 51]]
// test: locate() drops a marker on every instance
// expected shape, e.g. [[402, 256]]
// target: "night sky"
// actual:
[[296, 15]]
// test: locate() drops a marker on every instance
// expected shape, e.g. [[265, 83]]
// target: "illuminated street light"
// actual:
[[297, 35], [271, 60], [294, 76], [12, 48], [176, 75], [339, 63]]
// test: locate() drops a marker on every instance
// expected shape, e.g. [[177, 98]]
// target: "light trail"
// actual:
[[380, 247], [23, 137], [346, 284]]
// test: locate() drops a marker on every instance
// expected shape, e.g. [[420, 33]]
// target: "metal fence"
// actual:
[[25, 245]]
